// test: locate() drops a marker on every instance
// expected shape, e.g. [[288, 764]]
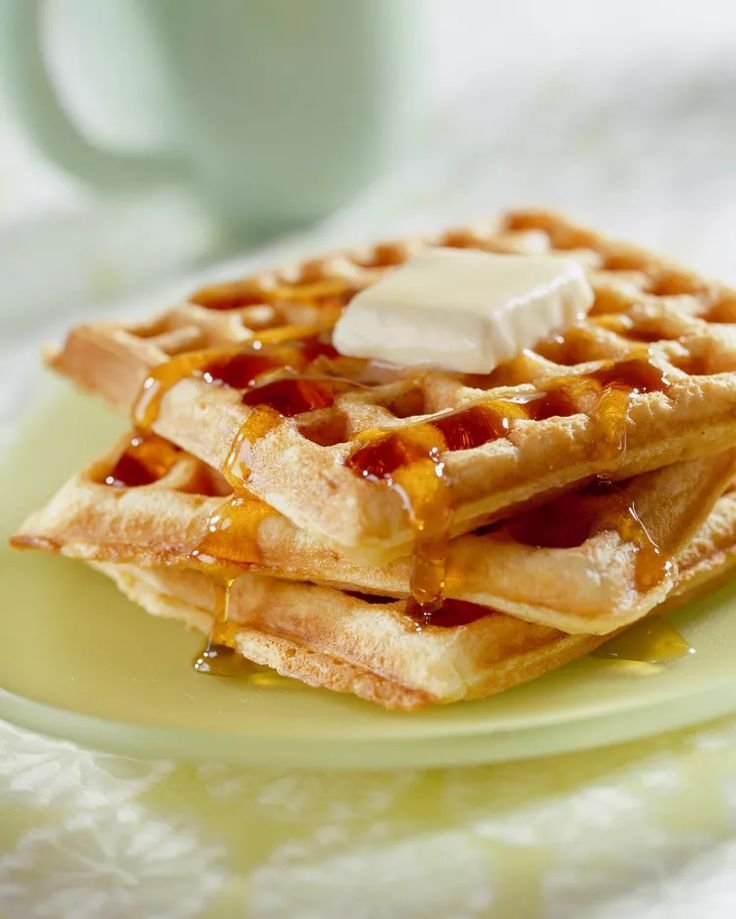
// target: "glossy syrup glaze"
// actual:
[[570, 519], [219, 656], [274, 388], [144, 460], [290, 378], [235, 368], [410, 460], [448, 614], [323, 293]]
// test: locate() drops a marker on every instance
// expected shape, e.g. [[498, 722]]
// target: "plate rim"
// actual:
[[162, 742]]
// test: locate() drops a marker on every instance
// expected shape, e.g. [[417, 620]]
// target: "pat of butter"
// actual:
[[462, 309]]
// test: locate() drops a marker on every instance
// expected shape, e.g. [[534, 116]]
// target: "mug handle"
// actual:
[[31, 91]]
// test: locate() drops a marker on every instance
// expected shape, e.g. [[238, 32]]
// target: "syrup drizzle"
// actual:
[[145, 459], [284, 397], [220, 657], [289, 350], [232, 530], [329, 292], [231, 537], [448, 614], [230, 541], [570, 519], [283, 379], [409, 461]]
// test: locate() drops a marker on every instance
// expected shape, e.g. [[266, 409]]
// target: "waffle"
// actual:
[[591, 562], [244, 378], [325, 637], [371, 647]]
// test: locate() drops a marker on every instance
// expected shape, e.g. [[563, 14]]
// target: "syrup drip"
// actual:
[[409, 461], [231, 537], [219, 656], [160, 380], [448, 614], [229, 543], [284, 397], [232, 530], [288, 349], [145, 459], [567, 521], [604, 394], [653, 641]]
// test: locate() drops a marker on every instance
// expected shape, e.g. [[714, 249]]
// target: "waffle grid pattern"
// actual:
[[645, 309]]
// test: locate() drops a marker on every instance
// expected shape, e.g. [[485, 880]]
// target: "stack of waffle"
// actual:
[[409, 535]]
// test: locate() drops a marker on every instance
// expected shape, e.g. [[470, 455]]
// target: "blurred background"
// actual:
[[145, 142]]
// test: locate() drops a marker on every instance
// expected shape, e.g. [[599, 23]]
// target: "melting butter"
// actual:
[[462, 309]]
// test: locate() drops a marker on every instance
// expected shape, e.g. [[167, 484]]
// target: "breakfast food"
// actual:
[[408, 532], [580, 562]]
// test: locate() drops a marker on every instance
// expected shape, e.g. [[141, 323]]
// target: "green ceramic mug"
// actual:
[[273, 111]]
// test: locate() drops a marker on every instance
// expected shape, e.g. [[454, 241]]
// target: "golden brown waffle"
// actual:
[[649, 379], [590, 562], [329, 638], [708, 559], [372, 648]]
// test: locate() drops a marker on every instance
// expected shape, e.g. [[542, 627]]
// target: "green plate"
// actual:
[[79, 661]]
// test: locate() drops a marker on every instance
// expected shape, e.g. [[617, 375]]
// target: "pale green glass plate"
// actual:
[[79, 661]]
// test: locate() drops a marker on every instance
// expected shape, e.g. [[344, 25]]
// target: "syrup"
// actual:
[[219, 656], [410, 462], [238, 294], [228, 296], [232, 529], [277, 383], [230, 543], [652, 641], [145, 459], [231, 537], [571, 519], [448, 614], [604, 394], [160, 380], [284, 397], [238, 371], [295, 395], [288, 349], [220, 660], [480, 423]]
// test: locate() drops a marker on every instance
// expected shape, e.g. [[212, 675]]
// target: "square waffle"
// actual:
[[373, 647], [244, 377], [591, 561]]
